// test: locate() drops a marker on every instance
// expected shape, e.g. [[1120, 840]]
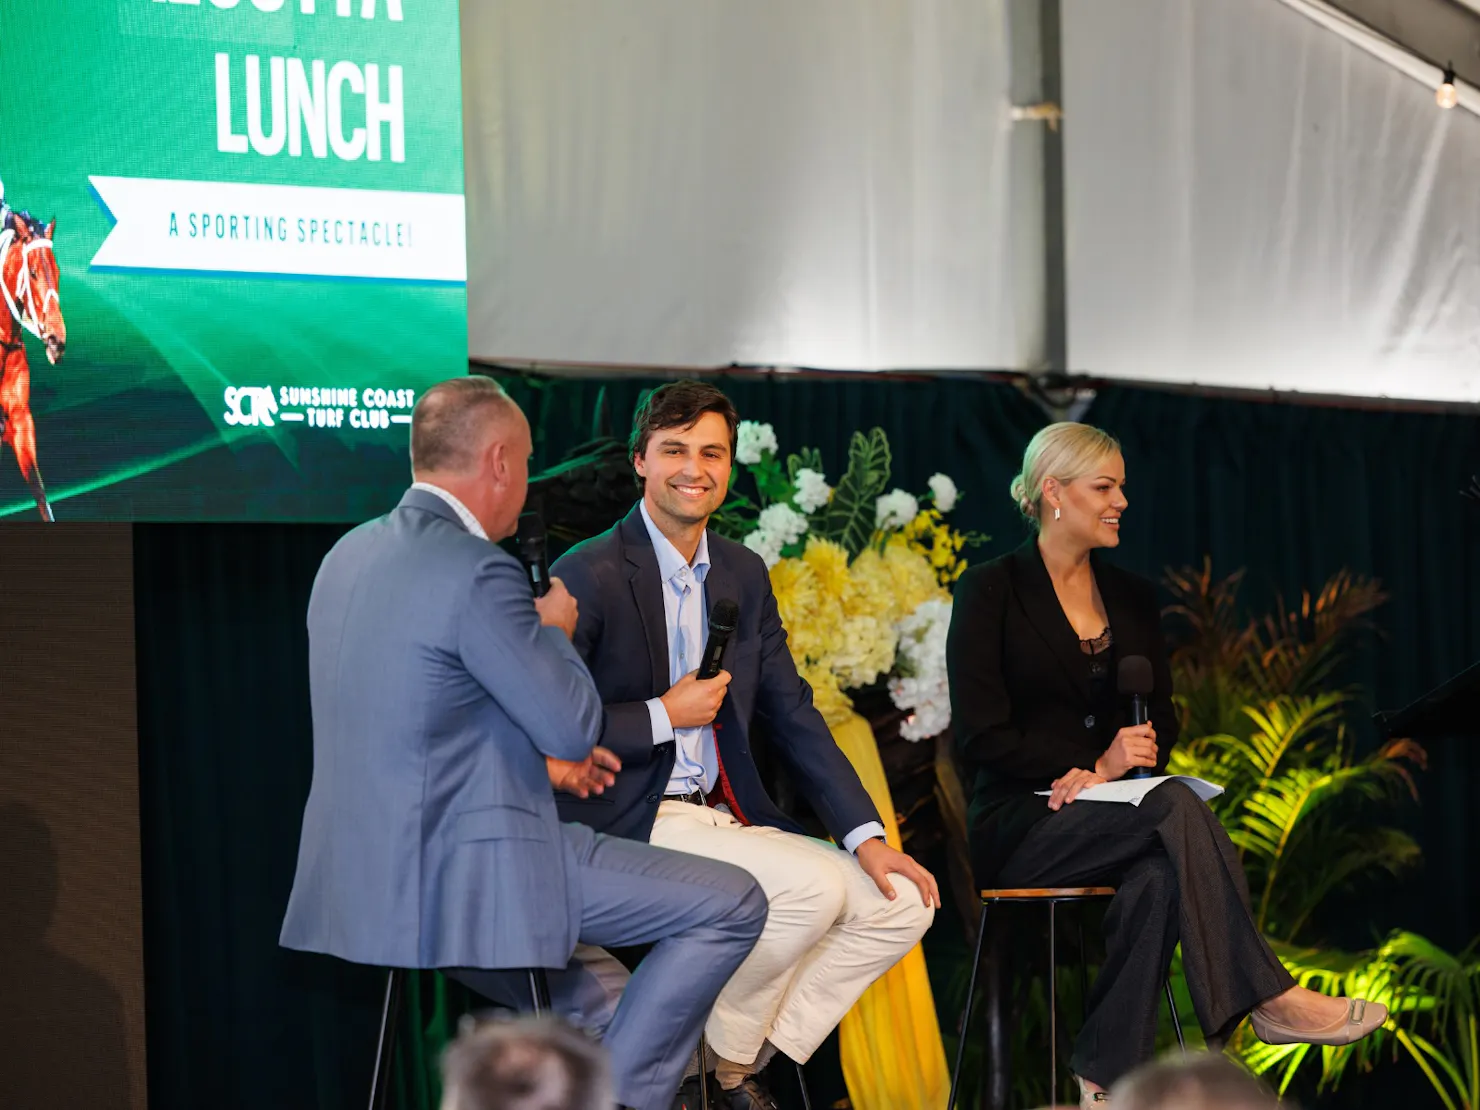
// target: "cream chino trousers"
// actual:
[[829, 935]]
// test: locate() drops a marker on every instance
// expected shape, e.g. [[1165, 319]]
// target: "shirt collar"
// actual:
[[469, 521], [670, 562]]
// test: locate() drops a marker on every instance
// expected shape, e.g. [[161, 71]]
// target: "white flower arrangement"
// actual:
[[813, 491], [777, 526], [943, 491], [895, 509], [767, 546], [753, 440], [885, 608], [921, 686]]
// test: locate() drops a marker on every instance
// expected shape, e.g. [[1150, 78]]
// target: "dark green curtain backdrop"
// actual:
[[1292, 493]]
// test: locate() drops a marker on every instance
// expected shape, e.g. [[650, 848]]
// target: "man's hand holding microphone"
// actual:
[[558, 609]]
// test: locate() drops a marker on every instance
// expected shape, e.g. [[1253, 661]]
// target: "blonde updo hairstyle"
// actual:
[[1065, 451]]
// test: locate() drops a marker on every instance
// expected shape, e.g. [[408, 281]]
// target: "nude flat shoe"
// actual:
[[1362, 1017]]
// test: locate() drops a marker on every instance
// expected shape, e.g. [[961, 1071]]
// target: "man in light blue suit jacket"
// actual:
[[446, 704]]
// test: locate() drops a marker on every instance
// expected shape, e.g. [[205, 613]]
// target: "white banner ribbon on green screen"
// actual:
[[231, 228]]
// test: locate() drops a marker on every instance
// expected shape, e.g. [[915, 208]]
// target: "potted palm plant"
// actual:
[[1265, 715]]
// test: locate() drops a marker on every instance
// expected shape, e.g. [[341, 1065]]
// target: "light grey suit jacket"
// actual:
[[430, 838]]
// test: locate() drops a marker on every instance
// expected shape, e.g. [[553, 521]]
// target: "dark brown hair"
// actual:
[[679, 405]]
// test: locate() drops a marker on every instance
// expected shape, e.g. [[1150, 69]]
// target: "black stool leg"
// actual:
[[1053, 1008], [390, 1018], [976, 959], [703, 1072], [1176, 1021], [539, 991], [802, 1083], [1083, 975]]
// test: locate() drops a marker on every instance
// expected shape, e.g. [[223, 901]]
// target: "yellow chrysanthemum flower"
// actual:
[[929, 535], [829, 562], [841, 617]]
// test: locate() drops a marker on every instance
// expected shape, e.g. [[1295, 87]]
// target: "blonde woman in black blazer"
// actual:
[[1035, 639]]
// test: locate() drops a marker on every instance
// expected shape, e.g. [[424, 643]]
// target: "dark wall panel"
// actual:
[[71, 931]]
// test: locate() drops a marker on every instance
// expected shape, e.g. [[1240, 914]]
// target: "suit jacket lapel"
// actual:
[[720, 582], [1123, 620], [1040, 603], [647, 594]]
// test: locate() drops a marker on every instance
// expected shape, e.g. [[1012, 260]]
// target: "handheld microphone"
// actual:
[[1134, 677], [531, 541], [723, 618]]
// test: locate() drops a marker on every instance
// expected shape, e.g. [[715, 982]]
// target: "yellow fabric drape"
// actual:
[[890, 1041]]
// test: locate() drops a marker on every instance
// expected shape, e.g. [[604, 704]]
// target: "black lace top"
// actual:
[[1101, 652]]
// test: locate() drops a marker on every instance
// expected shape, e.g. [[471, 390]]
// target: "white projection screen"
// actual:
[[820, 183], [1254, 202]]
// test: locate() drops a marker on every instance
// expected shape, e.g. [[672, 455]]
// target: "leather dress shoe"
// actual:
[[752, 1094], [688, 1095], [1361, 1018]]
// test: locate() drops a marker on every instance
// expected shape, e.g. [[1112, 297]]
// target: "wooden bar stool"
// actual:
[[1053, 896], [390, 1018]]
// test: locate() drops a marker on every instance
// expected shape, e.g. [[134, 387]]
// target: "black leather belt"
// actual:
[[694, 798]]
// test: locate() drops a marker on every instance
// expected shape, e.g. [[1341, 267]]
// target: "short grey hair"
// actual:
[[1203, 1081], [526, 1064], [447, 420]]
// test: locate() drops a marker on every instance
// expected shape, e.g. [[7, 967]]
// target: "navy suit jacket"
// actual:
[[623, 637]]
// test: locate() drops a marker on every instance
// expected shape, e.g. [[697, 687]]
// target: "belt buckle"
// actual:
[[693, 797]]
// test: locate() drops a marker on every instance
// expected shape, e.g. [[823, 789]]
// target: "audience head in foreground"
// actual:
[[525, 1064], [1201, 1082]]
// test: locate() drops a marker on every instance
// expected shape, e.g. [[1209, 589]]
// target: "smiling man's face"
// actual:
[[686, 471]]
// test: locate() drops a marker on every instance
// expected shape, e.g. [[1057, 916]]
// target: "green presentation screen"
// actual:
[[232, 254]]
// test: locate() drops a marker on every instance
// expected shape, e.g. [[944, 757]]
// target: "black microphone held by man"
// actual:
[[722, 621], [531, 541]]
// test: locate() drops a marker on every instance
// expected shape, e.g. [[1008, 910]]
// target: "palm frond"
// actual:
[[1286, 724], [1299, 649], [1450, 983], [1275, 819], [1431, 997], [1347, 857]]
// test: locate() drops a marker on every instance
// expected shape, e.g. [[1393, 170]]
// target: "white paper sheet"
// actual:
[[1133, 790]]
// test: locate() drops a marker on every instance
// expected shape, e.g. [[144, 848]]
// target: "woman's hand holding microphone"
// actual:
[[1134, 746]]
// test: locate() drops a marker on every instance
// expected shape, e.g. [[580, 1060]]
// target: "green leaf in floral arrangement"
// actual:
[[808, 458], [770, 480], [849, 516]]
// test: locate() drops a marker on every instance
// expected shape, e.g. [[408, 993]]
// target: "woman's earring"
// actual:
[[1056, 512]]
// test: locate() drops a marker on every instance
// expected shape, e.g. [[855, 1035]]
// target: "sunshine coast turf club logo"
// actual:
[[373, 409]]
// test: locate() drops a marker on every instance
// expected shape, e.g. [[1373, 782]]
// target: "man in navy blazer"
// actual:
[[839, 917], [447, 703]]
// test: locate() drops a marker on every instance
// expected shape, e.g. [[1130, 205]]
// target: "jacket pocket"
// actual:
[[500, 823]]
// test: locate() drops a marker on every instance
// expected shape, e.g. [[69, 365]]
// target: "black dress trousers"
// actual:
[[1177, 878]]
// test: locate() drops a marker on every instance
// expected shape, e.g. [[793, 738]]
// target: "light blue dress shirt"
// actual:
[[686, 617]]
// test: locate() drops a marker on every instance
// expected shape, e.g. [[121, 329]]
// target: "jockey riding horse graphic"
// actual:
[[28, 282]]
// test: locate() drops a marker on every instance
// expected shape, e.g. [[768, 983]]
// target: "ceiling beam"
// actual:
[[1439, 31]]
